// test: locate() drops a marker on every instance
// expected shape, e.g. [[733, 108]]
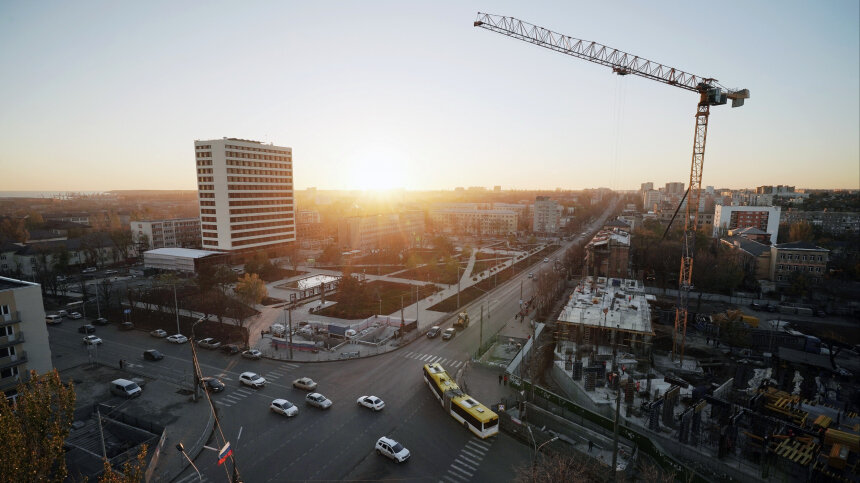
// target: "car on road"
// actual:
[[252, 354], [126, 326], [53, 319], [531, 275], [90, 270], [152, 355], [75, 315], [177, 339], [843, 372], [62, 313], [449, 333], [230, 349], [392, 449], [86, 329], [755, 306], [209, 343], [318, 400], [92, 340], [282, 406], [305, 383], [545, 260], [101, 321], [433, 332], [371, 402], [252, 379], [212, 384], [110, 272], [160, 333]]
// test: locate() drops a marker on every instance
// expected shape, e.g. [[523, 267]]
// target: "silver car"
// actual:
[[318, 400]]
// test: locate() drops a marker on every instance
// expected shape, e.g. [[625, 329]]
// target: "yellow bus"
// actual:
[[473, 415]]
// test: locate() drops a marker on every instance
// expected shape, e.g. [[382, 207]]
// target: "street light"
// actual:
[[537, 451], [181, 448]]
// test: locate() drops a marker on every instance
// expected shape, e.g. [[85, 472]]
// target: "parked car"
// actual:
[[110, 272], [177, 339], [282, 406], [755, 306], [434, 331], [318, 400], [212, 384], [126, 326], [62, 313], [449, 333], [125, 388], [392, 449], [86, 329], [545, 260], [252, 379], [152, 355], [53, 319], [209, 343], [75, 315], [252, 354], [92, 340], [101, 321], [305, 383], [90, 270], [371, 402], [160, 333], [230, 349]]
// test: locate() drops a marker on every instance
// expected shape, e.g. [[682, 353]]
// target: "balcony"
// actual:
[[14, 339], [9, 319], [14, 360]]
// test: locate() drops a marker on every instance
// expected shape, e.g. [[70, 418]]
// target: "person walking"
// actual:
[[500, 379]]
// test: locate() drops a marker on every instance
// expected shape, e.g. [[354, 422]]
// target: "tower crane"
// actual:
[[711, 93]]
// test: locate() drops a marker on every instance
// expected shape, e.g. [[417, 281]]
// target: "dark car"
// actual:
[[212, 384], [152, 355], [126, 326], [230, 349], [86, 329], [755, 306], [101, 321], [434, 331]]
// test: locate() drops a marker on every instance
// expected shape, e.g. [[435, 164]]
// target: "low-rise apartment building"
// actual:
[[788, 259], [23, 334], [474, 222], [177, 232]]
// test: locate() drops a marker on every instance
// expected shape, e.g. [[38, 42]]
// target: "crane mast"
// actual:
[[711, 93]]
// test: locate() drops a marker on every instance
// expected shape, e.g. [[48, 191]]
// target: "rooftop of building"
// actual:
[[752, 247], [183, 252], [11, 283], [799, 245], [747, 231], [612, 303], [617, 224], [157, 220], [604, 236]]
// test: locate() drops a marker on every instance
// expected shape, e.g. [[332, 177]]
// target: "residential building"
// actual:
[[183, 259], [788, 259], [829, 221], [546, 215], [765, 218], [751, 233], [23, 334], [474, 221], [29, 260], [674, 188], [608, 253], [245, 190], [520, 208], [371, 232], [309, 229], [754, 256], [650, 199], [177, 232], [646, 186]]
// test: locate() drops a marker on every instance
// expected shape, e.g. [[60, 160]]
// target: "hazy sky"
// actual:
[[111, 95]]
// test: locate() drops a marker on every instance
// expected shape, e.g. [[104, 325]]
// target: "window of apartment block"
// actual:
[[7, 331], [8, 372], [7, 351]]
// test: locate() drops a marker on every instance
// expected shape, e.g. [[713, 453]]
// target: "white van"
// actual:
[[53, 319], [125, 388]]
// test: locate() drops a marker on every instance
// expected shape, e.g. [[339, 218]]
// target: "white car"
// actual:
[[252, 354], [305, 383], [177, 339], [209, 343], [371, 402], [92, 340], [75, 315], [160, 333], [282, 406], [394, 450], [318, 400], [252, 379]]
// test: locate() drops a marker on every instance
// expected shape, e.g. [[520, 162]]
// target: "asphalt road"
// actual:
[[337, 443]]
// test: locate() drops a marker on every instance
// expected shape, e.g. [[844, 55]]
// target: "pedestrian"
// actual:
[[121, 363], [506, 379], [708, 340], [590, 445], [500, 379]]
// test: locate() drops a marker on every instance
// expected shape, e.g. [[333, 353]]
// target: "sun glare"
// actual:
[[377, 170]]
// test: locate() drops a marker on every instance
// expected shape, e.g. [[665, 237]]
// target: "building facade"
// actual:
[[23, 334], [789, 259], [183, 259], [674, 188], [650, 199], [372, 232], [546, 215], [245, 191], [765, 218], [474, 222], [829, 221], [177, 232], [646, 186], [608, 254]]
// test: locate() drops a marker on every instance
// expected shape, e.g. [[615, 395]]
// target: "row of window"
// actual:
[[276, 194], [242, 211], [208, 234], [213, 243], [264, 157], [206, 195], [281, 223], [204, 162], [263, 240], [203, 146], [790, 256], [210, 219], [261, 232], [8, 372], [259, 150], [259, 187], [7, 351], [258, 164], [207, 203], [203, 154], [281, 216], [205, 179], [798, 268], [780, 278], [209, 227], [207, 211], [268, 179], [206, 187], [272, 172], [204, 171]]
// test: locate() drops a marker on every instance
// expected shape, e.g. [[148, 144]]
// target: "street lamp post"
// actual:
[[194, 361], [176, 306], [181, 448], [537, 451]]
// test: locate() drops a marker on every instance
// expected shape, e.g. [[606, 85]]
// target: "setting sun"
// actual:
[[377, 169]]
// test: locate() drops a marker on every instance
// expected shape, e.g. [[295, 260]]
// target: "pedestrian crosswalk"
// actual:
[[466, 463], [233, 397], [430, 359]]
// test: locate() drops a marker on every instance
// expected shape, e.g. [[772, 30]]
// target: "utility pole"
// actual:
[[290, 312], [481, 333], [176, 306], [458, 286]]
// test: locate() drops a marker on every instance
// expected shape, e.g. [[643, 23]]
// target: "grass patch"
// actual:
[[365, 306]]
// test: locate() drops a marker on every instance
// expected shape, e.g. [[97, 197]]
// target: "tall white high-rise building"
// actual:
[[546, 215], [245, 189]]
